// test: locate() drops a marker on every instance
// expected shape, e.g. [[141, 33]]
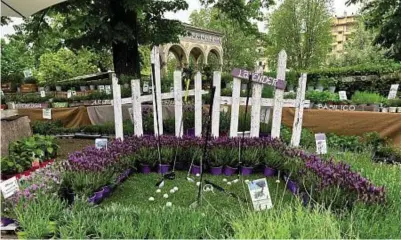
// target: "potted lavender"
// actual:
[[217, 159], [166, 157], [272, 160], [250, 157], [146, 156], [196, 157], [231, 161]]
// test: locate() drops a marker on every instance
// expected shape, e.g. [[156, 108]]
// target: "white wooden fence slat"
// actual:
[[198, 104], [136, 107], [299, 111], [278, 96], [178, 103], [118, 115], [235, 103], [155, 58], [216, 104], [255, 112]]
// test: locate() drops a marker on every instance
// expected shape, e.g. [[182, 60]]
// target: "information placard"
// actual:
[[260, 194], [393, 91], [9, 187], [101, 143], [47, 113], [42, 93], [321, 144], [342, 95]]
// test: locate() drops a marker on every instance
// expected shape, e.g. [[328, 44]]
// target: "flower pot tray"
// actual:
[[31, 105]]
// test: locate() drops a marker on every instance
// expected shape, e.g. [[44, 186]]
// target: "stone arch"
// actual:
[[216, 51], [179, 52], [196, 50]]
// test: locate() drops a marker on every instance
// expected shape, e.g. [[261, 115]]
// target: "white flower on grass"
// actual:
[[198, 184], [198, 175], [224, 180], [175, 189], [172, 191], [165, 195], [247, 181], [228, 183], [169, 204], [158, 190], [235, 181], [277, 181], [151, 199]]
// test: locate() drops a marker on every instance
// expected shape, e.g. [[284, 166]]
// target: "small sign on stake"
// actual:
[[73, 93], [47, 113], [321, 144], [9, 187], [342, 95], [42, 93], [393, 91], [101, 143], [260, 194]]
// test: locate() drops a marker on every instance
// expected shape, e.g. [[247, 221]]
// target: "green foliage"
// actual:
[[272, 158], [303, 29], [250, 156], [321, 96], [366, 98], [146, 155], [85, 183], [15, 57], [167, 155]]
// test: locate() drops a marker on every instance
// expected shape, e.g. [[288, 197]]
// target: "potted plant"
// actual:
[[385, 105], [217, 160], [393, 104], [147, 157], [273, 161], [166, 157], [196, 157], [250, 157], [231, 161], [331, 82], [321, 83]]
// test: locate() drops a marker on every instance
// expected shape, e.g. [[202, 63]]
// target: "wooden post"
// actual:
[[299, 111], [278, 96], [198, 104], [216, 104], [178, 103], [136, 107], [118, 115], [235, 107], [155, 59]]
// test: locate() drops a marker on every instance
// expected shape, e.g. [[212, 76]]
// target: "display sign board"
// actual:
[[393, 91], [258, 78], [9, 187], [107, 88], [47, 113], [101, 143], [321, 144], [260, 195], [342, 95]]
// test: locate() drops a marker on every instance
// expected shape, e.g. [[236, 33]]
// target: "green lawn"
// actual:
[[138, 188]]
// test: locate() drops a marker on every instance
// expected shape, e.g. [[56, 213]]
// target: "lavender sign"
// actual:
[[258, 77]]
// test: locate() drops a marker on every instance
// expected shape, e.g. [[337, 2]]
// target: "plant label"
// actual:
[[101, 143], [145, 87], [28, 73], [42, 93], [260, 194], [393, 91], [69, 94], [321, 144], [47, 113], [9, 187], [107, 88], [73, 93], [342, 95], [100, 88]]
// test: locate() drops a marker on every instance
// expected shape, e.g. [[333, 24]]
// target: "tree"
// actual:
[[359, 48], [15, 56], [238, 44], [385, 16], [120, 26], [303, 29]]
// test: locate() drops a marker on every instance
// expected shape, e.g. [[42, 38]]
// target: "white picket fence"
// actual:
[[256, 102]]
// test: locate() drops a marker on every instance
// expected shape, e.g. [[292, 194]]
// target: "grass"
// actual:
[[137, 190]]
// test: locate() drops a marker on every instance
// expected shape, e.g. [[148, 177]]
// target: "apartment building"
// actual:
[[343, 27]]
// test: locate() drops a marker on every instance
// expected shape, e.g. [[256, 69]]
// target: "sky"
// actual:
[[339, 8]]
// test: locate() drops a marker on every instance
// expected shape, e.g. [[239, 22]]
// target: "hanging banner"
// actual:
[[101, 143], [321, 144], [342, 95], [258, 78], [260, 194], [9, 187], [393, 91], [47, 113]]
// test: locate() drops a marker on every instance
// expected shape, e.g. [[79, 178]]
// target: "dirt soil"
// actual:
[[68, 146]]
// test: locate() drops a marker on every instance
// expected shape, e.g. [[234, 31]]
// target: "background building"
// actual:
[[342, 29]]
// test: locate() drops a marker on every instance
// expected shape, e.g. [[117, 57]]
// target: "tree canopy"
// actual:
[[303, 29]]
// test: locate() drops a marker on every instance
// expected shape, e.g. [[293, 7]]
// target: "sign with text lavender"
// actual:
[[258, 78]]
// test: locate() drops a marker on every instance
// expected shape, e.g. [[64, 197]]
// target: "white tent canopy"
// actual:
[[25, 8]]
